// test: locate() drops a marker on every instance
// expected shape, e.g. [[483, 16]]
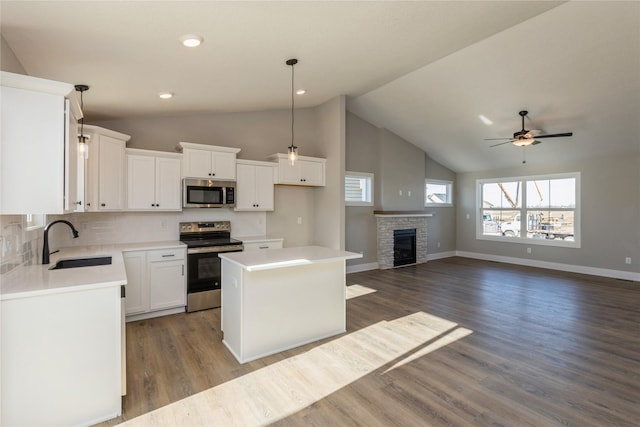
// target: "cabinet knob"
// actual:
[[79, 203], [103, 204]]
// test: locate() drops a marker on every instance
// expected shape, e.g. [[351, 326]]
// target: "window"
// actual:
[[35, 221], [539, 209], [358, 189], [438, 193]]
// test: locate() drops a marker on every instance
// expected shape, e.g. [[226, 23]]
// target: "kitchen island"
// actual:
[[277, 299]]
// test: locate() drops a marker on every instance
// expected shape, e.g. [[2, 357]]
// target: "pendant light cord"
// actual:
[[292, 101]]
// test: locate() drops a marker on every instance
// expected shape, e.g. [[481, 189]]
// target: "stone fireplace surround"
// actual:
[[388, 221]]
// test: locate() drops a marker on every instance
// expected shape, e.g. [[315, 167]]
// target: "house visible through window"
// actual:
[[358, 189], [540, 209], [438, 193]]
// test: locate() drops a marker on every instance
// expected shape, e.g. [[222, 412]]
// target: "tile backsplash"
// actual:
[[20, 246]]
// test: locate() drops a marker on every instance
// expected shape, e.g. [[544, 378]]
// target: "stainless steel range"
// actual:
[[205, 240]]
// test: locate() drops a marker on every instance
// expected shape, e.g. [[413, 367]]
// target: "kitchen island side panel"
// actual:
[[232, 307], [291, 306]]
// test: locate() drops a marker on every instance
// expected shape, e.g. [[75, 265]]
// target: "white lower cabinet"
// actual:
[[156, 282]]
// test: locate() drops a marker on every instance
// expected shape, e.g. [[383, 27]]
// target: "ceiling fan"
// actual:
[[525, 137]]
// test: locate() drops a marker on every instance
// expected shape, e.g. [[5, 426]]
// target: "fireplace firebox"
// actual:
[[404, 247]]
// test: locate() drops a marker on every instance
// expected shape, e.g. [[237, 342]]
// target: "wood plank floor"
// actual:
[[534, 348]]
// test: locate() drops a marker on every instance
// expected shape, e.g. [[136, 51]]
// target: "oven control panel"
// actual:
[[204, 227]]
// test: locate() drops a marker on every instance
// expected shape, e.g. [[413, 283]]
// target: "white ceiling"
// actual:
[[423, 69]]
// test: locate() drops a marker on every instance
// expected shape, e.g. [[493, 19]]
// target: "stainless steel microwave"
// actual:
[[206, 193]]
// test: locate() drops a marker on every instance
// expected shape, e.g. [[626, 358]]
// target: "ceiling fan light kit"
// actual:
[[524, 137]]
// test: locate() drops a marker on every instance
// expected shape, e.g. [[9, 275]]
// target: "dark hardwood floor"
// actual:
[[547, 349]]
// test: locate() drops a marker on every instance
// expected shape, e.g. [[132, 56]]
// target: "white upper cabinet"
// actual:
[[308, 171], [153, 180], [208, 161], [38, 146], [105, 169], [254, 186]]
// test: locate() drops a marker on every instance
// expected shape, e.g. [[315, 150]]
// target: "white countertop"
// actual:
[[286, 257], [35, 280]]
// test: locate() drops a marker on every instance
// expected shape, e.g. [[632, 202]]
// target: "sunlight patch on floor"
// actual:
[[286, 387], [358, 290]]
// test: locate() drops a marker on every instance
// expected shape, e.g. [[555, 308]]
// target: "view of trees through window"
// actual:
[[530, 208]]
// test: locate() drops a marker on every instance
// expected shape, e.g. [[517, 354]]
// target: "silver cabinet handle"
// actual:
[[183, 269], [169, 255]]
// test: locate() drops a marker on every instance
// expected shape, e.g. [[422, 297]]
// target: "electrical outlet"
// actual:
[[438, 244], [627, 260], [299, 220], [468, 216], [400, 191], [409, 193], [528, 250]]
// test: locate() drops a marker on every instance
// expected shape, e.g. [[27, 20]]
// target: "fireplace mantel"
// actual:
[[401, 214]]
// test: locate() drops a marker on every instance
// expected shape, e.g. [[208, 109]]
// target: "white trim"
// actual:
[[362, 267], [594, 271]]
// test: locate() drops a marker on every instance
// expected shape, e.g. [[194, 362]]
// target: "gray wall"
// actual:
[[397, 166], [610, 208]]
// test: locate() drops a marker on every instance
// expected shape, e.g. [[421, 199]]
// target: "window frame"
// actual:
[[35, 221], [449, 185], [369, 177], [575, 243]]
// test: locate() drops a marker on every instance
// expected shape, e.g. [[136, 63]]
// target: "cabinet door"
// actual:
[[289, 174], [245, 187], [197, 163], [141, 182], [264, 188], [32, 146], [136, 292], [312, 173], [223, 165], [167, 285], [72, 197], [111, 174], [168, 184]]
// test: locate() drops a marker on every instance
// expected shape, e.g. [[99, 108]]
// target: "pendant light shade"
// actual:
[[292, 150], [83, 146]]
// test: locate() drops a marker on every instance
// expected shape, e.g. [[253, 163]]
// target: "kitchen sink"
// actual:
[[81, 262]]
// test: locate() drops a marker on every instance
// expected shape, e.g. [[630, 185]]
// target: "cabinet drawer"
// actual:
[[166, 254], [262, 245]]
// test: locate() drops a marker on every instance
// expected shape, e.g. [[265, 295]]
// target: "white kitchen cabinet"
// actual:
[[208, 161], [254, 186], [105, 169], [153, 180], [38, 146], [156, 282], [309, 171]]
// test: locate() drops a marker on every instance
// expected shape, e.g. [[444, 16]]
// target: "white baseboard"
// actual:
[[440, 255], [594, 271], [362, 267]]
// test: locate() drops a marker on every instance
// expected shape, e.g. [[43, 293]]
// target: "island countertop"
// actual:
[[286, 257]]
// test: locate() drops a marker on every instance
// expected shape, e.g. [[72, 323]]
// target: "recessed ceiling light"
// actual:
[[165, 95], [301, 91], [191, 40]]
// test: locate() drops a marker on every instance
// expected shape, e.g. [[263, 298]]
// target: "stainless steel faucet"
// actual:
[[45, 248]]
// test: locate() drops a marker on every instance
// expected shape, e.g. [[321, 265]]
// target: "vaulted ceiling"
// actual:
[[424, 70]]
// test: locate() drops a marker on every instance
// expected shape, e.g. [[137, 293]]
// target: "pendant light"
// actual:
[[83, 146], [292, 151]]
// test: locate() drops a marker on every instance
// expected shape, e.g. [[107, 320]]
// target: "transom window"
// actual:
[[438, 193], [539, 209], [358, 189]]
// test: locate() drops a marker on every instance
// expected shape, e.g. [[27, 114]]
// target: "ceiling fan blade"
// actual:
[[498, 139], [554, 135], [501, 143]]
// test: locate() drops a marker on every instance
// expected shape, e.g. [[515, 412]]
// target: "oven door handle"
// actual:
[[216, 249]]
